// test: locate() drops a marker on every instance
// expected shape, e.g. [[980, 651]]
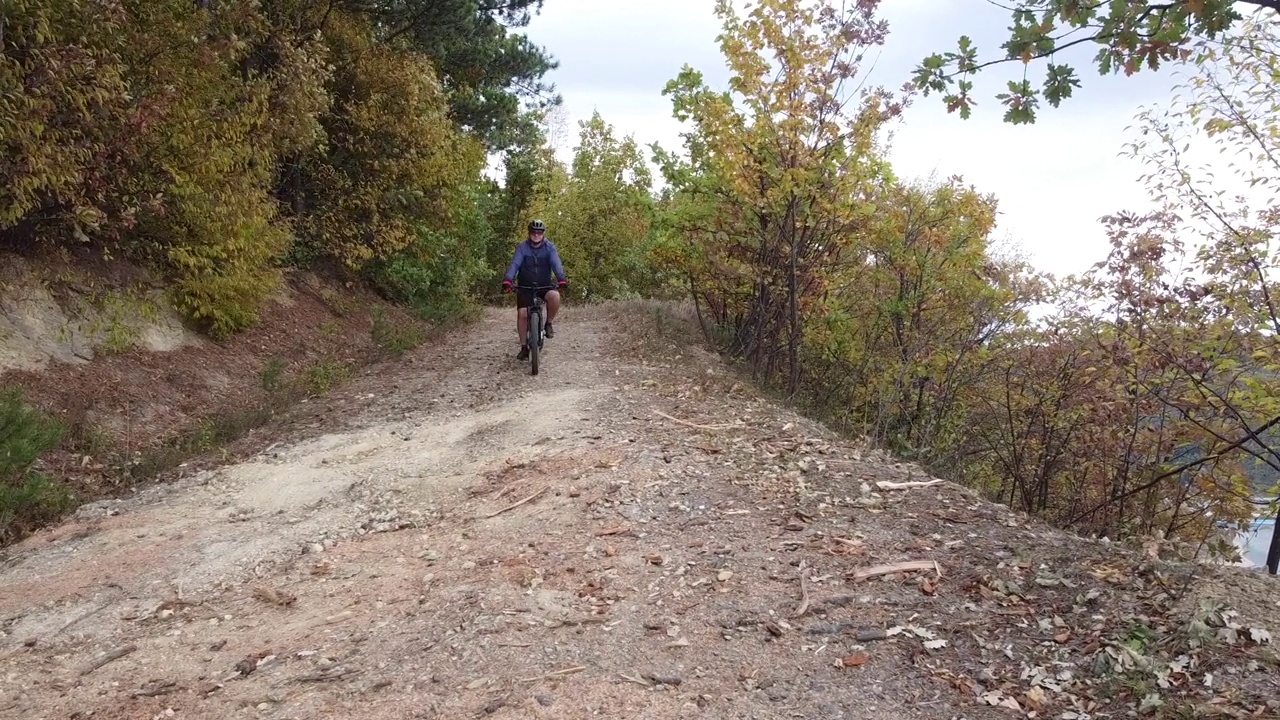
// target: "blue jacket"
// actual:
[[535, 265]]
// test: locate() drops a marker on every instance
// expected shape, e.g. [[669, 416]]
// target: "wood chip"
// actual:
[[271, 595], [803, 607]]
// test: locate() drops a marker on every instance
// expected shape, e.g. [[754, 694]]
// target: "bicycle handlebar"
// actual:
[[536, 287]]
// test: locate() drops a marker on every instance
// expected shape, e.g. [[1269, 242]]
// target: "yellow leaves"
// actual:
[[394, 159]]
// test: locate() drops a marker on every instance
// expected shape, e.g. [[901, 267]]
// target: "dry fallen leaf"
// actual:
[[857, 659], [998, 699], [929, 587], [1035, 698]]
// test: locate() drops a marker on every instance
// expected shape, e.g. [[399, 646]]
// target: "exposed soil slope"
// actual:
[[634, 533]]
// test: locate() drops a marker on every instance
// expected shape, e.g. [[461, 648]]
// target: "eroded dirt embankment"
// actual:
[[632, 534]]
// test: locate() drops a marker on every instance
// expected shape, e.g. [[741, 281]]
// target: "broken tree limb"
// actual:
[[108, 656], [886, 485], [907, 566], [556, 674], [518, 503], [323, 676], [803, 607], [686, 423]]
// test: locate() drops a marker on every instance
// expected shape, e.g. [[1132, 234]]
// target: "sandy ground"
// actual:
[[634, 533]]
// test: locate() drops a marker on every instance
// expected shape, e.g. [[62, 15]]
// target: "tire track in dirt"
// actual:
[[97, 580]]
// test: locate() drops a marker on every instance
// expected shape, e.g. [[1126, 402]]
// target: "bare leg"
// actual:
[[522, 324], [553, 304]]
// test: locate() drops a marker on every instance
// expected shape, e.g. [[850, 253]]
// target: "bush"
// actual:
[[27, 497]]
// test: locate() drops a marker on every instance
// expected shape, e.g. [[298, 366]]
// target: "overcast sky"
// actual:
[[1053, 180]]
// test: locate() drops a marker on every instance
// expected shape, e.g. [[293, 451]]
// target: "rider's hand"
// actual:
[[506, 286], [562, 285]]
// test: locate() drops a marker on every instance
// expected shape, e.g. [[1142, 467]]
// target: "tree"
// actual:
[[220, 142], [903, 326], [780, 170], [485, 68], [1234, 359], [1130, 35], [1150, 400], [601, 220]]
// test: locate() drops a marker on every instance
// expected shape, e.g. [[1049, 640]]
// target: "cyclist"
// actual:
[[535, 261]]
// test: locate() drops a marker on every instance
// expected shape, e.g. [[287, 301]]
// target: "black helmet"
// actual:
[[537, 226]]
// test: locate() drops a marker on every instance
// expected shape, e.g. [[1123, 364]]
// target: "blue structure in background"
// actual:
[[1254, 543]]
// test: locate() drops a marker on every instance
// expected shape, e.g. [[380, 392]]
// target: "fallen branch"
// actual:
[[686, 423], [636, 679], [803, 607], [518, 503], [886, 485], [950, 519], [156, 688], [620, 529], [891, 568], [108, 656], [334, 674], [344, 615], [556, 673]]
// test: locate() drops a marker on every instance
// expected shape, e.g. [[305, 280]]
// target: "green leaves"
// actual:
[[491, 70], [1130, 36], [217, 147], [1020, 103], [601, 216], [1060, 80]]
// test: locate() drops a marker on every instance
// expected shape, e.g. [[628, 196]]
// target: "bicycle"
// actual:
[[537, 327]]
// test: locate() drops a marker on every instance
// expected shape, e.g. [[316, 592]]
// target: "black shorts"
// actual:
[[524, 298]]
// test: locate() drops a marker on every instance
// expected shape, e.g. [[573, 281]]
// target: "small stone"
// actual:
[[315, 548], [468, 565], [724, 575]]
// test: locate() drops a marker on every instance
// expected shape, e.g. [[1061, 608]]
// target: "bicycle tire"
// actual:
[[535, 341]]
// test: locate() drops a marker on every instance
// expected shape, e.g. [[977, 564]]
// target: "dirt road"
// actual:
[[631, 534]]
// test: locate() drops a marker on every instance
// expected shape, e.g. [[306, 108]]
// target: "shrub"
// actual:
[[27, 497]]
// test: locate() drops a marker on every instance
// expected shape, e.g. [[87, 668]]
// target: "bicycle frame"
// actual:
[[537, 323]]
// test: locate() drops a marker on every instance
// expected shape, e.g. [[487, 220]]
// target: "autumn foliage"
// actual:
[[1138, 399], [219, 142]]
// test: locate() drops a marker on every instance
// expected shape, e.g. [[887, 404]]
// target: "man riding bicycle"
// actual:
[[535, 261]]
